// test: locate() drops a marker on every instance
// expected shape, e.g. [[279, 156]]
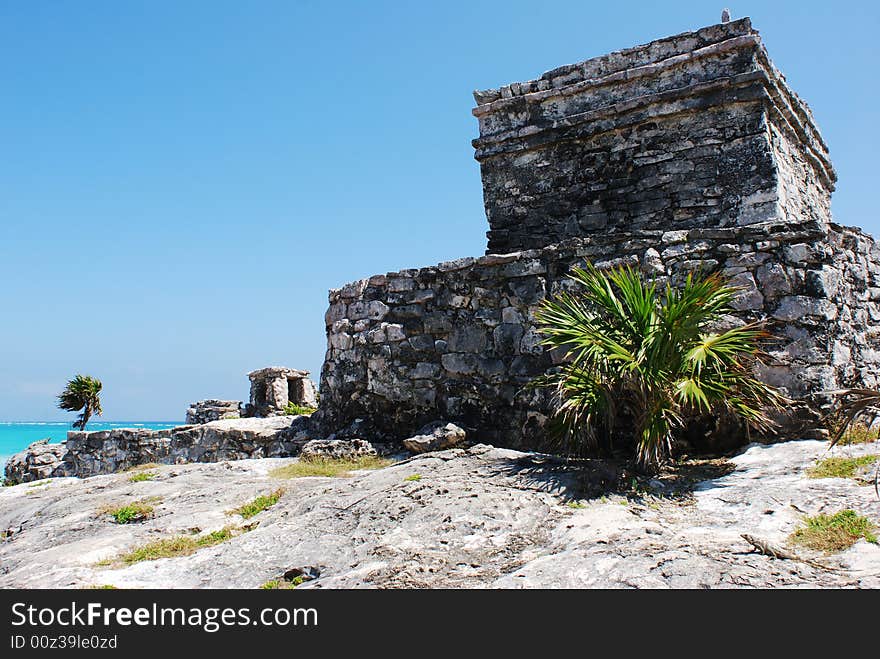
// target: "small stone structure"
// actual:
[[205, 411], [688, 152], [274, 387]]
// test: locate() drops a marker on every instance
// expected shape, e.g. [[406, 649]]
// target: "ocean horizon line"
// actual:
[[68, 423]]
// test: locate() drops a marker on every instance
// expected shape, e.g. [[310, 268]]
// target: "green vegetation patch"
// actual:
[[298, 410], [577, 505], [841, 467], [413, 477], [142, 476], [283, 584], [144, 467], [339, 468], [137, 511], [831, 533], [173, 547], [858, 433], [258, 505]]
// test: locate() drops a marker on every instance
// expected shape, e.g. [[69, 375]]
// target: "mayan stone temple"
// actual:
[[687, 152]]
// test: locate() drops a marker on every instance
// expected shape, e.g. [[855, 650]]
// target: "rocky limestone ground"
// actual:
[[474, 518]]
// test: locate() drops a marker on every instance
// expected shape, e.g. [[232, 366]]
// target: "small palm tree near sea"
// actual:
[[631, 347], [82, 394]]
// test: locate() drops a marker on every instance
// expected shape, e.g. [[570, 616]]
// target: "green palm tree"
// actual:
[[83, 392], [630, 347]]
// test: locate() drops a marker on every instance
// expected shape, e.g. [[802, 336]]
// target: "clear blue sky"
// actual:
[[182, 182]]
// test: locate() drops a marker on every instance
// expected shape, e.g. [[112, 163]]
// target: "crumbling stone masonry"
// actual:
[[205, 411], [108, 451], [688, 152]]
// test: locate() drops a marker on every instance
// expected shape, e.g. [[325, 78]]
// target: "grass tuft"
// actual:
[[858, 433], [340, 468], [831, 533], [143, 467], [293, 409], [173, 547], [136, 511], [142, 476], [283, 584], [577, 505], [841, 467], [413, 477], [258, 505]]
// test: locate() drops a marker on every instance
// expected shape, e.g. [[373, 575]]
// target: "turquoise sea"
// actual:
[[16, 436]]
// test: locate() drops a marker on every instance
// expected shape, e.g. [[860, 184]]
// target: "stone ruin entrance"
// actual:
[[273, 388]]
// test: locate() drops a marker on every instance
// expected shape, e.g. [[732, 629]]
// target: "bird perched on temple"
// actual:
[[725, 15]]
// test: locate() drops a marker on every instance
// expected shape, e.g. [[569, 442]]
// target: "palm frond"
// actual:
[[852, 405], [623, 340]]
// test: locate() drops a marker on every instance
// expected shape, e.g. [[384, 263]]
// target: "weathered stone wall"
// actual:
[[108, 451], [458, 341], [697, 130], [802, 193], [205, 411]]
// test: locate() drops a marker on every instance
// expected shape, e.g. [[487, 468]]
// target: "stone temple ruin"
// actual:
[[687, 152], [274, 387]]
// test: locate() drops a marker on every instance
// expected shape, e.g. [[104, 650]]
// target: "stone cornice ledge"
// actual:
[[568, 74], [644, 71], [775, 94], [795, 113]]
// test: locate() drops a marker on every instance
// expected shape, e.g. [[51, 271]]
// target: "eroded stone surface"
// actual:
[[336, 449], [475, 518], [435, 437], [205, 411], [39, 460]]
